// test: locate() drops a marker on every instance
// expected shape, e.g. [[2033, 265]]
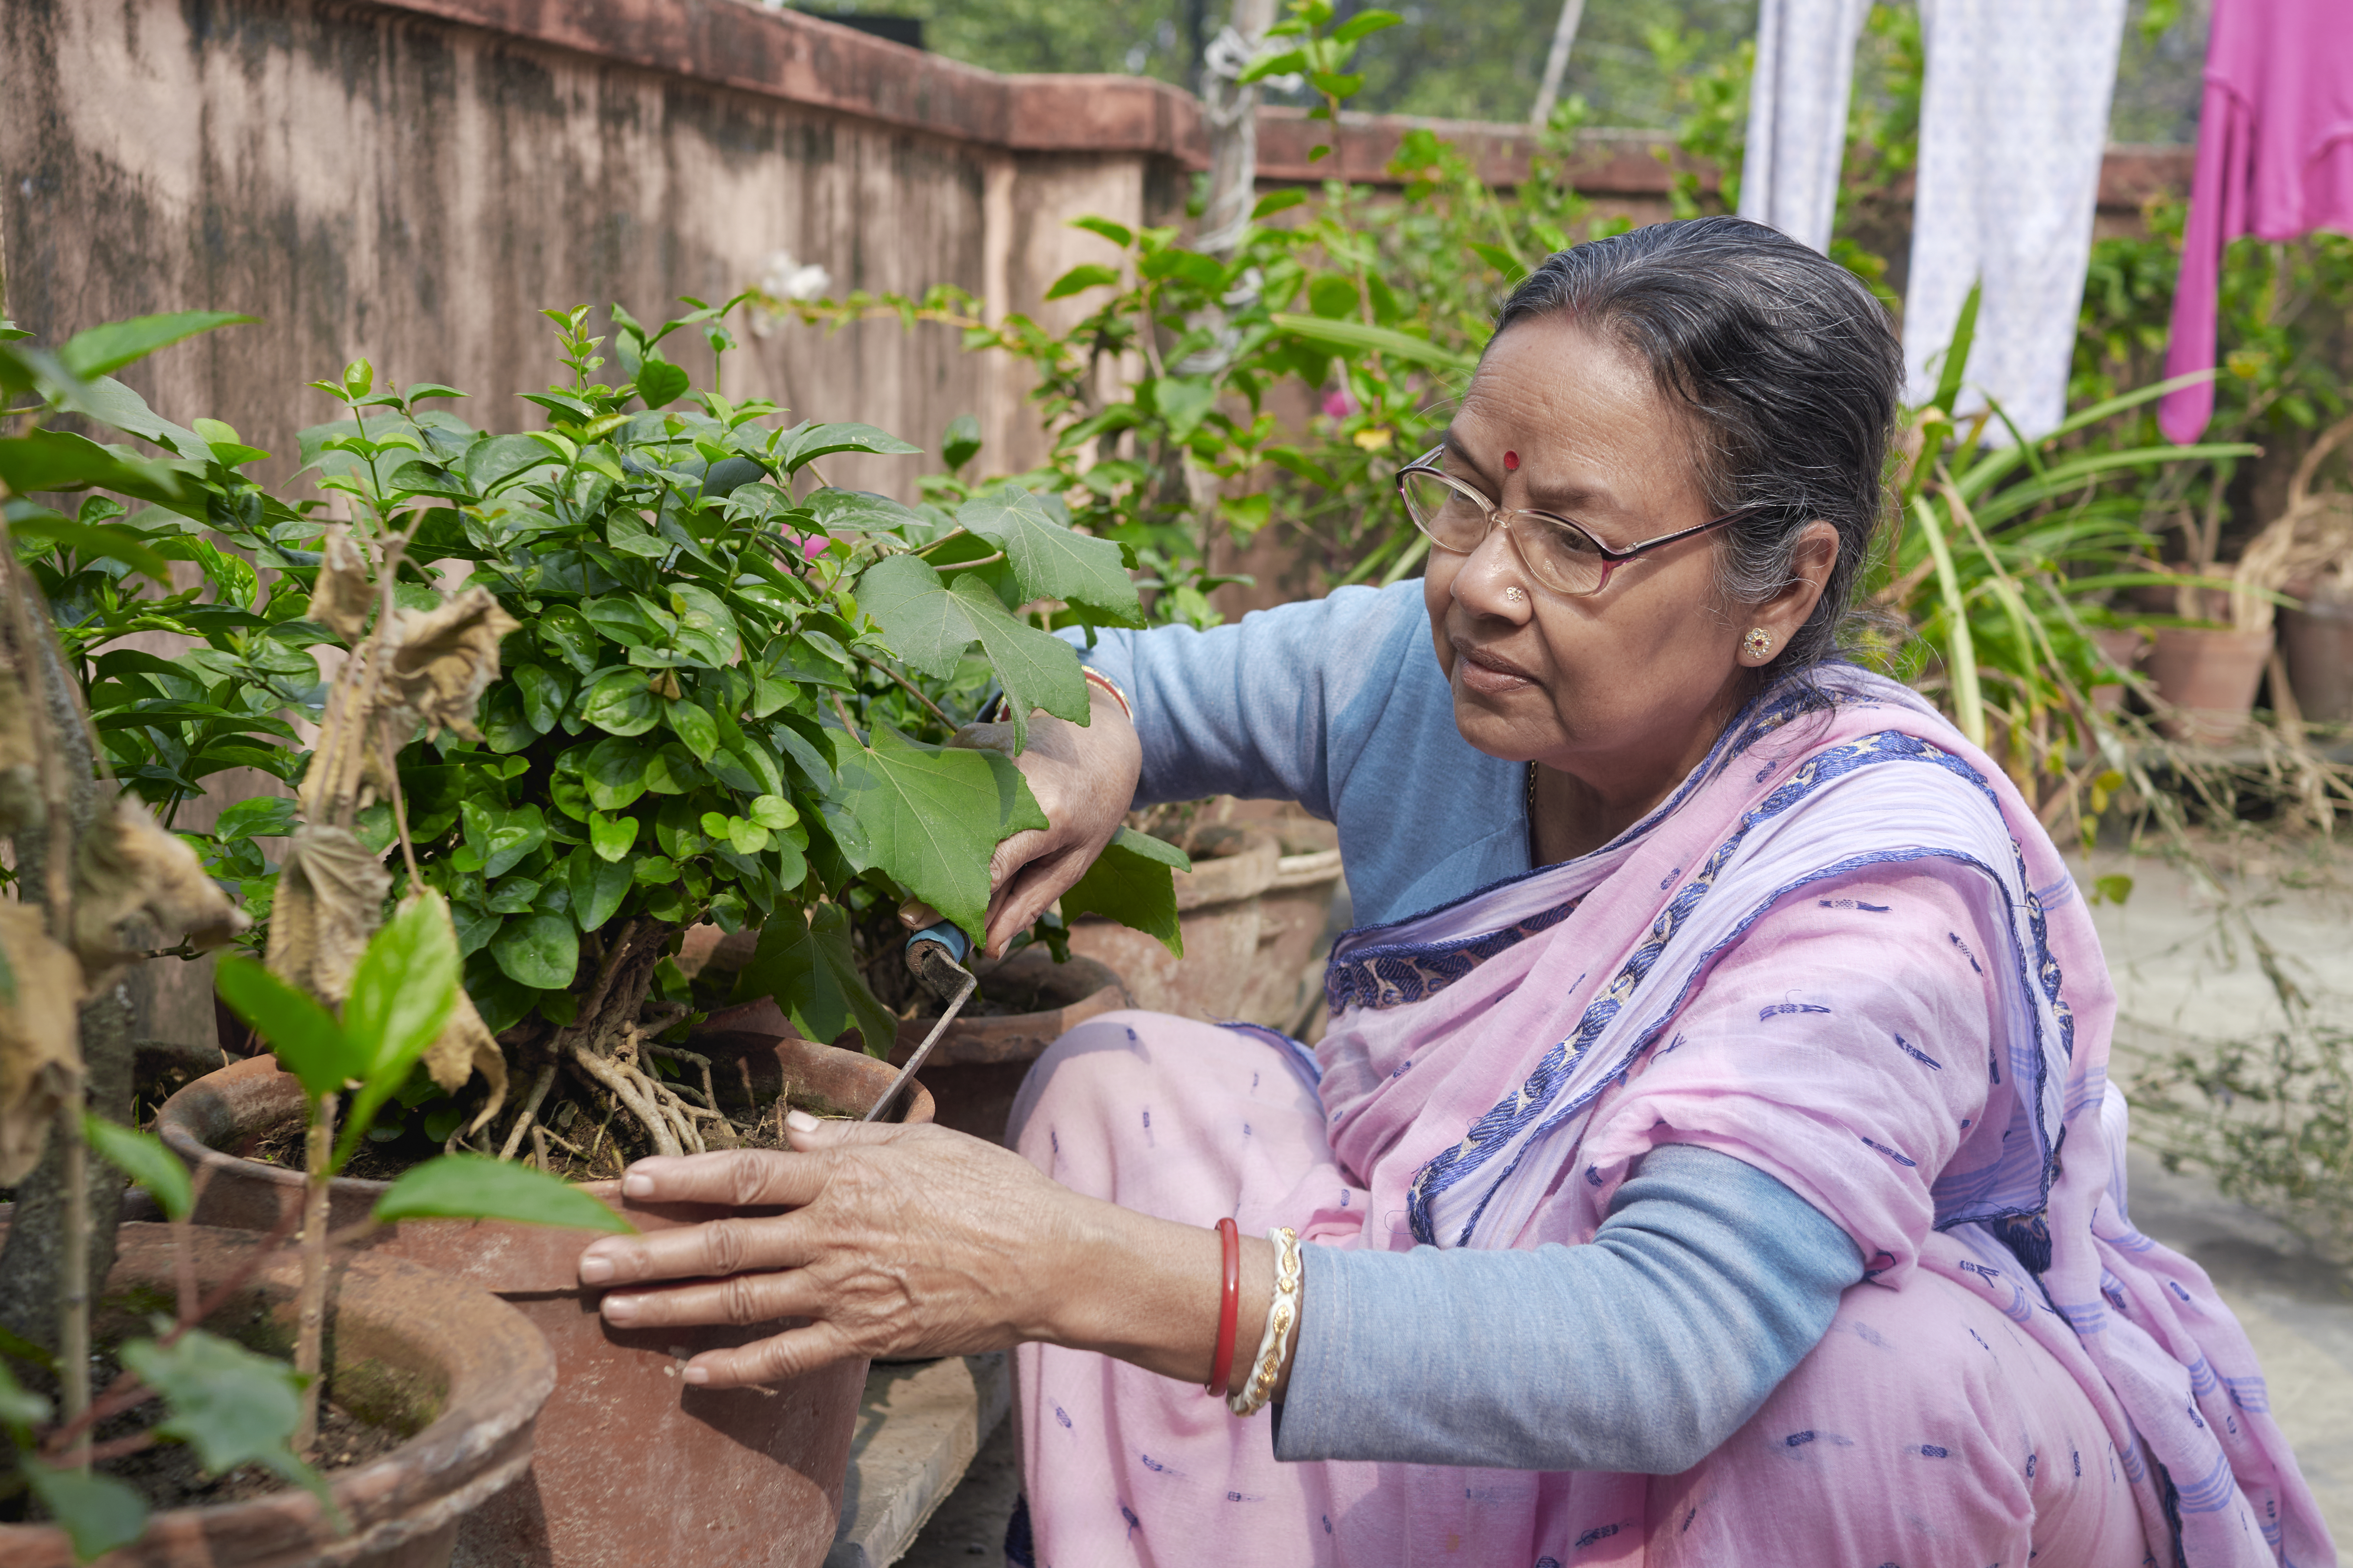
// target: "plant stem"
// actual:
[[938, 712], [310, 1327], [73, 1269]]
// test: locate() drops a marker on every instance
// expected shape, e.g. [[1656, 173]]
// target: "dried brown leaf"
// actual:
[[127, 866], [445, 659], [40, 1050], [331, 895], [344, 595], [465, 1047]]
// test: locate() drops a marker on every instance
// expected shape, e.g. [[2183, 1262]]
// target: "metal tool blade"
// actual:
[[963, 994]]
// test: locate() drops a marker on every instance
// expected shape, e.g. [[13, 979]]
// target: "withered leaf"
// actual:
[[40, 1052], [445, 659], [129, 866], [331, 895], [344, 595], [465, 1047]]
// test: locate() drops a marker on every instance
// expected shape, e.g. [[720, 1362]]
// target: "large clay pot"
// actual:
[[1218, 912], [478, 1374], [2316, 644], [1285, 978], [2210, 677], [632, 1468]]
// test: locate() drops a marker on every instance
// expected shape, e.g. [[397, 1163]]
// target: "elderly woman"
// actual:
[[1711, 1158]]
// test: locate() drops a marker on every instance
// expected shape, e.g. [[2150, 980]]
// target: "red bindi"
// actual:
[[1510, 461]]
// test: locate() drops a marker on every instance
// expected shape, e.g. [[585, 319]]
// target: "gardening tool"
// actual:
[[935, 955]]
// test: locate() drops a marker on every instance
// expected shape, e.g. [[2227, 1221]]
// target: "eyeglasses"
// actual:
[[1560, 554]]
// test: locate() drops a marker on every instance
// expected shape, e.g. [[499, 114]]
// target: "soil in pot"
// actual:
[[433, 1391], [632, 1468]]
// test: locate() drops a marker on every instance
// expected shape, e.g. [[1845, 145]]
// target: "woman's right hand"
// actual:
[[1085, 778]]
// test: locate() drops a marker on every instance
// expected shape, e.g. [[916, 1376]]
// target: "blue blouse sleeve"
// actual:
[[1710, 1275], [1271, 707]]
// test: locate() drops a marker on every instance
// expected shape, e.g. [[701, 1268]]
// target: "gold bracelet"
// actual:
[[1282, 1318], [1099, 679]]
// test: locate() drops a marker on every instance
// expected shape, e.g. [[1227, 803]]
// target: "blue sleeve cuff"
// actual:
[[1641, 1351]]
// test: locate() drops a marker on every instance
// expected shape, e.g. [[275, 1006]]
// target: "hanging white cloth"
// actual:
[[1796, 115], [2013, 123]]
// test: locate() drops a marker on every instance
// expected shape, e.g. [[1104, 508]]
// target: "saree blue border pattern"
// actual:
[[1533, 1106]]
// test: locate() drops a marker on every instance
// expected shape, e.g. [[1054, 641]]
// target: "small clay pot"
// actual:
[[632, 1468], [2210, 677], [2316, 644], [456, 1358], [974, 1072], [1218, 913]]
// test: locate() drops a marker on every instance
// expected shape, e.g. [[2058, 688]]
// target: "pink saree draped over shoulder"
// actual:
[[1842, 951]]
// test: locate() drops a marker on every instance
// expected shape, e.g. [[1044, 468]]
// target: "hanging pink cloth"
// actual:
[[2275, 160]]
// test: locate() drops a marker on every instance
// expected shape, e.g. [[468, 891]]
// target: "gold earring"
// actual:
[[1757, 645]]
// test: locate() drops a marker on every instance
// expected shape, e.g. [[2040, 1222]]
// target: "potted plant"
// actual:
[[679, 680], [452, 1372], [2307, 554]]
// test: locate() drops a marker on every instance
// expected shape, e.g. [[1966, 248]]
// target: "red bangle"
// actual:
[[1229, 1307]]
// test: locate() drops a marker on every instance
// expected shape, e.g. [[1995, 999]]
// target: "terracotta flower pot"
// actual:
[[2211, 678], [2316, 643], [1217, 905], [632, 1468], [391, 1323], [1285, 979]]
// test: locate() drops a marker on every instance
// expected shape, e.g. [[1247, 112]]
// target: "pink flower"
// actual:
[[1336, 403], [814, 545]]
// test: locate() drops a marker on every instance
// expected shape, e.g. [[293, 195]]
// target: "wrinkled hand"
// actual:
[[902, 1241], [1084, 778]]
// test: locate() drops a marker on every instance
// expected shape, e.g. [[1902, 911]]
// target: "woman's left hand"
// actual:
[[900, 1241]]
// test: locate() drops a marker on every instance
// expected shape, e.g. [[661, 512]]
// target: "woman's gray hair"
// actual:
[[1787, 370]]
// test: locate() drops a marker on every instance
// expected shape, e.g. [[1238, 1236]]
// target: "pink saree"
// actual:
[[1842, 951]]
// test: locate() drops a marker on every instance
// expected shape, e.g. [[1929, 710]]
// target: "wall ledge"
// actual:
[[807, 59]]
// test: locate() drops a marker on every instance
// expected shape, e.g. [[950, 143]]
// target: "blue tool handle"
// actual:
[[949, 935]]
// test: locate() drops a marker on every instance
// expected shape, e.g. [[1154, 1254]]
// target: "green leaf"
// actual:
[[566, 630], [513, 836], [660, 382], [541, 951], [615, 772], [774, 811], [99, 1512], [402, 987], [141, 1157], [932, 816], [263, 816], [494, 459], [468, 1187], [20, 1408], [1274, 201], [1078, 279], [1118, 234], [693, 724], [1957, 353], [814, 441], [1184, 401], [706, 629], [1364, 24], [811, 970], [930, 625], [1356, 337], [1049, 561], [60, 460], [612, 836], [622, 703], [854, 511], [1130, 882], [304, 1035], [97, 541], [960, 442], [598, 885], [1502, 260], [103, 350], [544, 696], [232, 1406]]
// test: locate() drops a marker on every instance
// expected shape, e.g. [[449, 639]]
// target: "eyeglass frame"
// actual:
[[1610, 559]]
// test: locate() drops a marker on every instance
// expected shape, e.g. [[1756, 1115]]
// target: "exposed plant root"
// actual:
[[539, 1087], [675, 1054]]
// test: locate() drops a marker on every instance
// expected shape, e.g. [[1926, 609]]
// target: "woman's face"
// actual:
[[1627, 689]]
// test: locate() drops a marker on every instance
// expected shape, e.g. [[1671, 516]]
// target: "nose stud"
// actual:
[[1514, 595]]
